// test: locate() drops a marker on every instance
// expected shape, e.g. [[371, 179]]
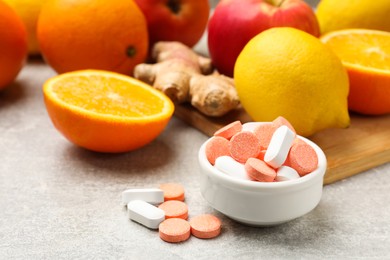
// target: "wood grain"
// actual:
[[364, 145]]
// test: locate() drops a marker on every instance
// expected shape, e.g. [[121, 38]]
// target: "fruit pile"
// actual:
[[94, 46], [275, 57], [291, 67]]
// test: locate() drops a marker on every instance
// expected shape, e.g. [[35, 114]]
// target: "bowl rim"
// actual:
[[254, 185]]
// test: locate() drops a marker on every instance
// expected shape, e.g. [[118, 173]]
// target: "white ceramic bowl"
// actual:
[[261, 203]]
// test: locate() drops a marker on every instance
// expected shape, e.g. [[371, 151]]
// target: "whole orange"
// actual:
[[175, 20], [13, 44], [92, 34]]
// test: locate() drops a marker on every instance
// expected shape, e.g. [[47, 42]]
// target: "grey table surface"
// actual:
[[59, 201]]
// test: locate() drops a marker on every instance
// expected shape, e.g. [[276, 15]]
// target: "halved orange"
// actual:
[[106, 111], [366, 56]]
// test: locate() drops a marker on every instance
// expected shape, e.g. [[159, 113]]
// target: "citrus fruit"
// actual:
[[106, 111], [290, 73], [28, 11], [366, 55], [335, 14], [92, 34], [13, 44]]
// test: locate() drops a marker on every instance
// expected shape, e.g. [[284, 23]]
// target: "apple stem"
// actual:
[[131, 51], [174, 5]]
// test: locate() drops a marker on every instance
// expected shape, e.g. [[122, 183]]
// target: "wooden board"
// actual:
[[364, 145]]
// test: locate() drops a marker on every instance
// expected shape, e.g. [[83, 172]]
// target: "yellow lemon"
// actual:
[[29, 10], [287, 72], [335, 14]]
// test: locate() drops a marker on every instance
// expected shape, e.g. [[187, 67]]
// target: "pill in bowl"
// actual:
[[263, 181]]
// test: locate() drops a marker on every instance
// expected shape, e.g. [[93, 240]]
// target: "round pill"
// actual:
[[174, 209], [172, 191], [205, 226], [174, 230], [279, 121], [264, 133], [302, 157], [244, 145], [259, 170], [229, 130], [217, 146]]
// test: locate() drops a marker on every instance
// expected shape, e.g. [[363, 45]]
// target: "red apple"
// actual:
[[235, 22], [175, 20]]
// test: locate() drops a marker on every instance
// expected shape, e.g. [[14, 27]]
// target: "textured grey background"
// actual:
[[62, 202]]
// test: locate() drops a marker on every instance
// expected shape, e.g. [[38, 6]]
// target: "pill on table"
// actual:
[[145, 213], [229, 130], [244, 145], [215, 147], [172, 191], [285, 173], [231, 167], [174, 230], [302, 157], [264, 133], [174, 209], [279, 121], [259, 170], [152, 196], [279, 146], [205, 226]]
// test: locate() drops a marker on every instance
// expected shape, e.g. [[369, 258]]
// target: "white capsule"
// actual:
[[145, 213], [231, 167], [279, 146], [152, 196], [285, 173], [250, 126]]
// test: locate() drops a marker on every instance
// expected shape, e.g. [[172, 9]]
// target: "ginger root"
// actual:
[[185, 76]]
